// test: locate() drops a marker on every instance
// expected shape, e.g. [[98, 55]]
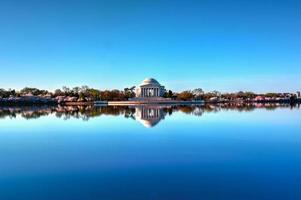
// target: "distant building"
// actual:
[[298, 94], [150, 88]]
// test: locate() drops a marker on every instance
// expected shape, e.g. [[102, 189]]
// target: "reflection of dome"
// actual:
[[149, 116], [149, 123], [150, 81]]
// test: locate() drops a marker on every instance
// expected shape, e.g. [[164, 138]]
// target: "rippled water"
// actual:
[[151, 152]]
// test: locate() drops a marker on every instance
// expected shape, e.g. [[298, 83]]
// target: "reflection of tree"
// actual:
[[129, 113], [27, 112], [6, 113], [186, 109], [245, 107], [87, 112], [116, 110]]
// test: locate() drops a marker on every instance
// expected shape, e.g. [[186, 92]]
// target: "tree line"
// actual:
[[85, 92]]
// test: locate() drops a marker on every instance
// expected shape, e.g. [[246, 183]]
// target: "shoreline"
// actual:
[[168, 102], [125, 103]]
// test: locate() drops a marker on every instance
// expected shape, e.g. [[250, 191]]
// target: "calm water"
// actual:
[[183, 152]]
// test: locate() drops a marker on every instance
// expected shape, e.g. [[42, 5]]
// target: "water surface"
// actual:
[[151, 152]]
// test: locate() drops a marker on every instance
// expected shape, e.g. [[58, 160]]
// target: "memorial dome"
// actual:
[[150, 81]]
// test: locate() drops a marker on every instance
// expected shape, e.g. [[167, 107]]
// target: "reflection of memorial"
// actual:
[[149, 116]]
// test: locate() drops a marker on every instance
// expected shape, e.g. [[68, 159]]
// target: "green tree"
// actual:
[[129, 92], [168, 94], [94, 94], [33, 91]]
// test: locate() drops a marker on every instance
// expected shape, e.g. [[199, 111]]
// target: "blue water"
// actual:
[[217, 152]]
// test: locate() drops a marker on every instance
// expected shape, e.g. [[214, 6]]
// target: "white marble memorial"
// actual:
[[150, 88]]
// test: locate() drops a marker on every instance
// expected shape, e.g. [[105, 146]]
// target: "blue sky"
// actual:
[[215, 45]]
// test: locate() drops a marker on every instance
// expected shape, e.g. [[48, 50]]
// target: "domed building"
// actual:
[[150, 87]]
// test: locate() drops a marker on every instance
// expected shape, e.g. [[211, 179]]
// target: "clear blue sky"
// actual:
[[216, 45]]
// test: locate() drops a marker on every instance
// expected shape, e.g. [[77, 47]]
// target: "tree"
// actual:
[[3, 93], [76, 90], [198, 93], [185, 95], [33, 91], [84, 88], [250, 95], [293, 99], [94, 94], [129, 92], [168, 94], [113, 95], [271, 95], [12, 92], [58, 92], [217, 93], [66, 90]]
